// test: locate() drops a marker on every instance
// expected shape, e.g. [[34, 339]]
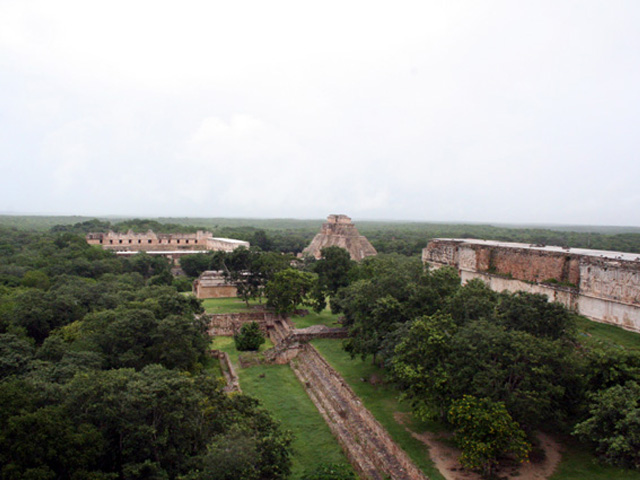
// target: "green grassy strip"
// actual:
[[607, 333], [312, 318], [228, 305], [381, 401], [280, 392]]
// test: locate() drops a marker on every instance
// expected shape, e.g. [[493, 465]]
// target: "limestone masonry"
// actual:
[[213, 284], [163, 242], [601, 285], [339, 231]]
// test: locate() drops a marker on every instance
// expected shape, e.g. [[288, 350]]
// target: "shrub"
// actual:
[[249, 338], [614, 425], [486, 432]]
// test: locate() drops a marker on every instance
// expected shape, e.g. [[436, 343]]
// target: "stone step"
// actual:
[[355, 452], [362, 436], [353, 414]]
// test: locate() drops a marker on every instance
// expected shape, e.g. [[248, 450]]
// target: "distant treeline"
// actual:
[[289, 235]]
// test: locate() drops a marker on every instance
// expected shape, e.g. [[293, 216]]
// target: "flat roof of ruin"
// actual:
[[160, 252], [550, 248], [228, 240]]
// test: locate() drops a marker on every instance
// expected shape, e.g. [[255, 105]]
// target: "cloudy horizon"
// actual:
[[457, 111]]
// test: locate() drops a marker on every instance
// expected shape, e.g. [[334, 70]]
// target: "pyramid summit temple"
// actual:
[[340, 231]]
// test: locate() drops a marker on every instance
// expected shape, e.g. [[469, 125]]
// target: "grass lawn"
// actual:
[[277, 387], [607, 333], [380, 400], [325, 318], [228, 305]]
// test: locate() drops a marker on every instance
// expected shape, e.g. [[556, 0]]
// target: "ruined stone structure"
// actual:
[[213, 284], [152, 242], [228, 371], [170, 245], [339, 231], [368, 446], [601, 285], [227, 324]]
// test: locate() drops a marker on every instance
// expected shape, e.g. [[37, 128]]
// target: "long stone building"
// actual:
[[339, 231], [601, 285], [170, 245], [158, 242]]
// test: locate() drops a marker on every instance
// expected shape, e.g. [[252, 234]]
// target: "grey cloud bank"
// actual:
[[444, 111]]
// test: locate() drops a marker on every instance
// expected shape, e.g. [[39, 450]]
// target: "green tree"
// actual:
[[473, 301], [367, 337], [16, 355], [421, 365], [333, 269], [608, 366], [249, 338], [47, 444], [260, 239], [238, 268], [194, 265], [36, 279], [486, 432], [530, 375], [532, 313], [288, 289], [613, 425]]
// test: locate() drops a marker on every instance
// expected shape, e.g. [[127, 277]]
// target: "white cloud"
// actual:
[[500, 110]]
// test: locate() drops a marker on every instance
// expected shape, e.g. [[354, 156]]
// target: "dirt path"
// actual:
[[445, 457]]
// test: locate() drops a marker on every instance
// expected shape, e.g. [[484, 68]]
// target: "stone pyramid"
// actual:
[[338, 230]]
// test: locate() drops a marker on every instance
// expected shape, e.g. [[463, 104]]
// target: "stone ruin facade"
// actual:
[[601, 285], [339, 231], [213, 284], [163, 242]]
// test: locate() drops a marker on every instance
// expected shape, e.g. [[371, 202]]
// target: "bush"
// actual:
[[614, 425], [249, 338], [183, 284], [486, 432]]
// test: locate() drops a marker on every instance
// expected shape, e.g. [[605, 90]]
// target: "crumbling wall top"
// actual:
[[338, 218]]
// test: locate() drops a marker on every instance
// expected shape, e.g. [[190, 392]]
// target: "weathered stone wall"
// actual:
[[160, 242], [611, 280], [221, 291], [564, 295], [604, 286], [213, 284], [131, 241], [368, 446], [228, 371], [520, 263], [227, 324]]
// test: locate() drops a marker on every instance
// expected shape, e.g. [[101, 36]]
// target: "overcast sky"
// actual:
[[485, 111]]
